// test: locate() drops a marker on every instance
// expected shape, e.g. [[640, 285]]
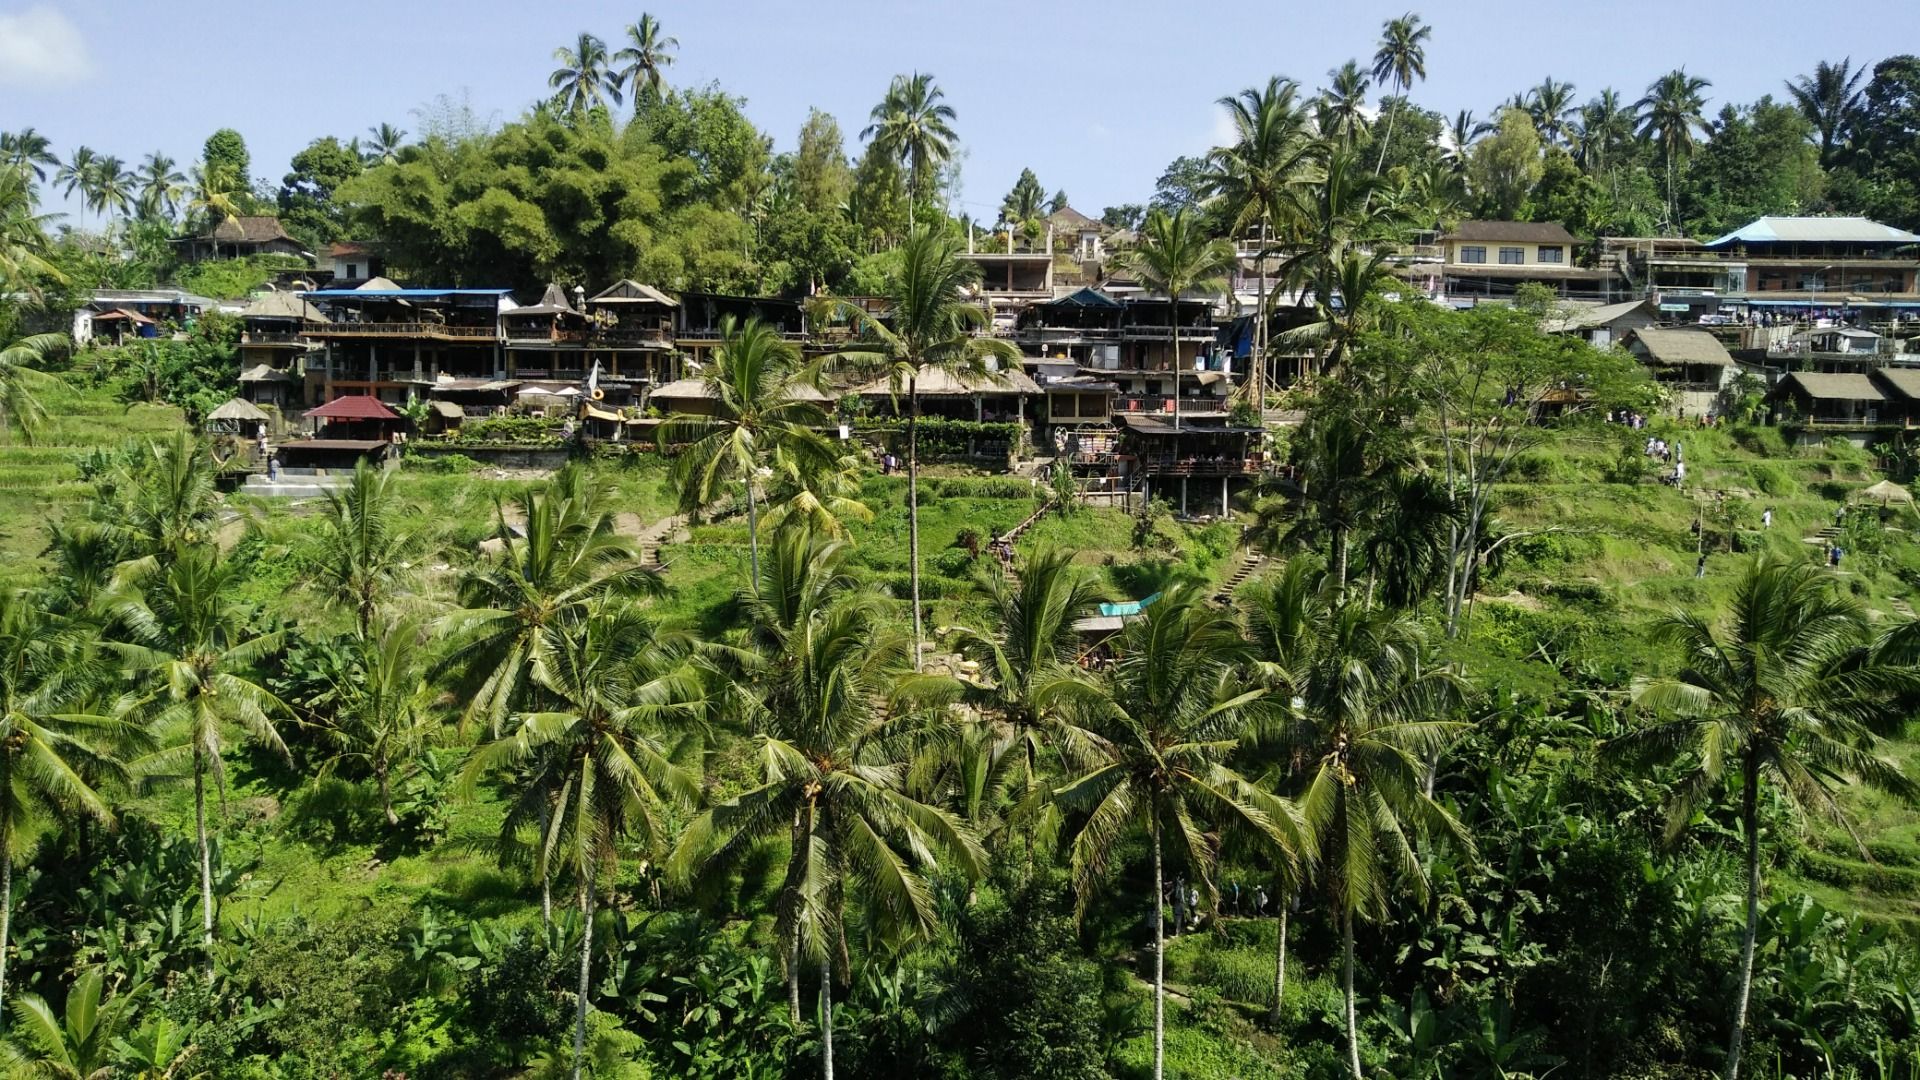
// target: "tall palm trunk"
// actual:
[[381, 770], [1280, 960], [1381, 165], [1353, 1026], [1173, 346], [546, 878], [586, 968], [1159, 958], [826, 1019], [913, 505], [6, 913], [753, 531], [1341, 542], [1750, 819], [206, 854], [1257, 378], [793, 979]]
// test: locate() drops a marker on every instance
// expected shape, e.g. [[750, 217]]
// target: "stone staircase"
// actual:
[[1250, 564]]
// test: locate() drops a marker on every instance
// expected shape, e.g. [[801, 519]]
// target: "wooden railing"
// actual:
[[1198, 466], [404, 329]]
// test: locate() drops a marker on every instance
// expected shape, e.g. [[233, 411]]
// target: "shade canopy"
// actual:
[[1885, 491], [354, 407], [238, 409]]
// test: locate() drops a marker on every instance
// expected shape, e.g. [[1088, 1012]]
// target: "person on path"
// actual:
[[1700, 566], [1766, 518], [1260, 900]]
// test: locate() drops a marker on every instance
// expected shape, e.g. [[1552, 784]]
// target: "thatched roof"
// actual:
[[1904, 381], [935, 382], [1834, 387], [1885, 491], [1588, 316], [267, 373], [248, 229], [696, 390], [629, 291], [238, 409], [1675, 347]]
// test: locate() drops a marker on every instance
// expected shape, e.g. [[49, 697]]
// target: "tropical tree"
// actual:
[[50, 742], [762, 399], [75, 1045], [1605, 129], [1785, 692], [1255, 179], [193, 654], [24, 247], [363, 545], [915, 125], [381, 715], [1401, 58], [597, 755], [1161, 727], [1027, 201], [115, 188], [217, 193], [822, 497], [165, 498], [1830, 99], [383, 144], [1175, 256], [815, 672], [1028, 646], [28, 151], [563, 558], [584, 80], [928, 327], [76, 172], [1669, 115], [1462, 130], [648, 53], [160, 186], [1550, 107], [1361, 716], [1340, 112], [21, 379]]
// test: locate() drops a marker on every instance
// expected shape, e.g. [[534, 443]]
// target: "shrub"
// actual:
[[509, 431], [441, 463], [1772, 479]]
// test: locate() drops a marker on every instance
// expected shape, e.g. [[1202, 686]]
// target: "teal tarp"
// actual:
[[1131, 607]]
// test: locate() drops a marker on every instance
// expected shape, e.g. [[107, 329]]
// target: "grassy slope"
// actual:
[[1614, 557]]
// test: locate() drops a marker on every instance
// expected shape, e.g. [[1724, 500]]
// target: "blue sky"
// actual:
[[1095, 97]]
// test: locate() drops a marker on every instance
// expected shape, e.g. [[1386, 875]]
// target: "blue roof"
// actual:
[[399, 294], [1816, 230], [1088, 297]]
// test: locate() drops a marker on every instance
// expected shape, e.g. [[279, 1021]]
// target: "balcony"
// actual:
[[1169, 465], [1150, 332], [545, 335], [290, 338], [431, 330]]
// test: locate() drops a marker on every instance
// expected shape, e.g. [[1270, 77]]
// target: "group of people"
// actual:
[[1184, 900], [1668, 453]]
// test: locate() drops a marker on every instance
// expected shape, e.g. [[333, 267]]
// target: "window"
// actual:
[[353, 271], [1474, 254], [1512, 256], [1550, 253]]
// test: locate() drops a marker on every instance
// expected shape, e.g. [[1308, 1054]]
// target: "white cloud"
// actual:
[[41, 47], [1100, 131], [1222, 133]]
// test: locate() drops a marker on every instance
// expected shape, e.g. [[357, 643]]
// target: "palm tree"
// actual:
[[114, 187], [76, 1046], [914, 124], [1161, 728], [1026, 649], [217, 193], [1462, 130], [380, 715], [192, 650], [76, 172], [168, 504], [928, 327], [763, 399], [1402, 58], [29, 151], [818, 663], [1361, 701], [23, 236], [1175, 256], [566, 559], [1668, 116], [160, 186], [1787, 690], [383, 144], [818, 496], [1255, 180], [1829, 99], [21, 379], [49, 744], [363, 546], [648, 54], [1550, 106], [1342, 117], [613, 679], [584, 80], [1606, 127], [1407, 544]]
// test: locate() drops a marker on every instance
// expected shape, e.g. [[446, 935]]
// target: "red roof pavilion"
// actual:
[[354, 407]]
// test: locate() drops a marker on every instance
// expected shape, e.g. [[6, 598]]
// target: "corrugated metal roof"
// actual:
[[1813, 230]]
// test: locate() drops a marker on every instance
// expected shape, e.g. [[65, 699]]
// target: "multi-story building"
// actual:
[[1490, 260], [1821, 262], [393, 343], [274, 348]]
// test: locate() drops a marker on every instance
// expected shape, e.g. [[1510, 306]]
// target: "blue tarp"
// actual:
[[1086, 298], [1131, 607]]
